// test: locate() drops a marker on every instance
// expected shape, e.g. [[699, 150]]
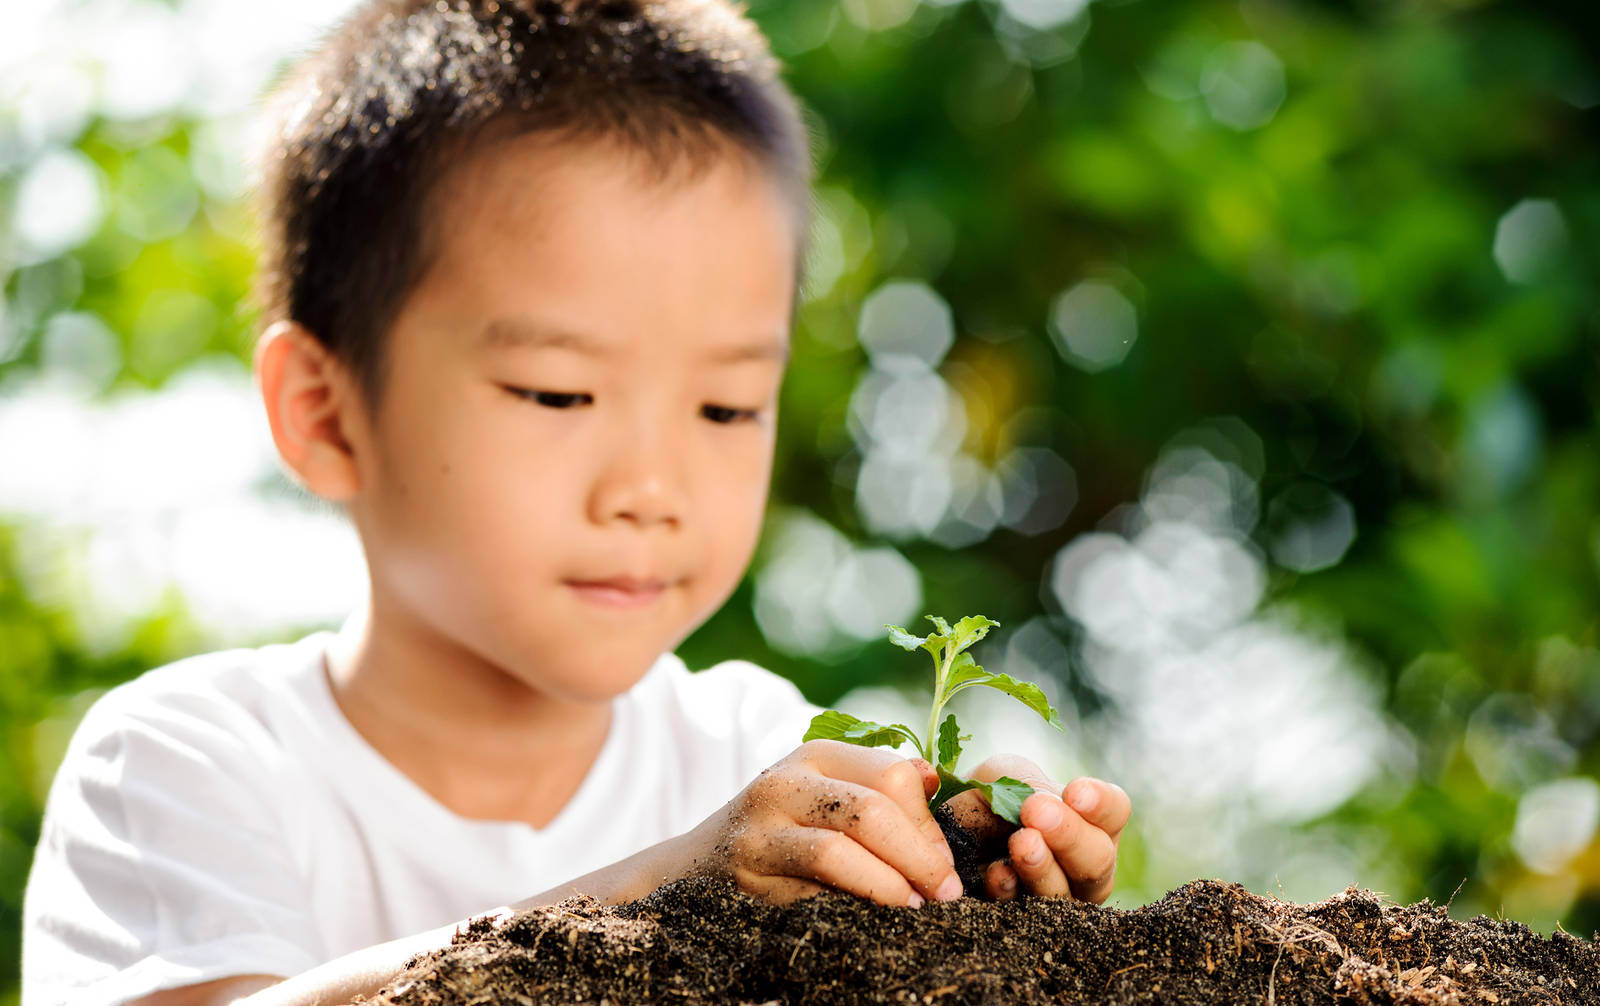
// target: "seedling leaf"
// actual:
[[950, 738], [964, 670], [949, 785], [940, 624], [904, 639], [971, 629], [1028, 694], [1005, 797], [836, 726]]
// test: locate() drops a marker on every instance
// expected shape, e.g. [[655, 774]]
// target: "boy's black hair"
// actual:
[[366, 126]]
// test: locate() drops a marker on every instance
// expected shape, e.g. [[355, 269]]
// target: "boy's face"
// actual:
[[569, 464]]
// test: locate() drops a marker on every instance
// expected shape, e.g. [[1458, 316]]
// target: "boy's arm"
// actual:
[[829, 815], [364, 972], [222, 990], [340, 980]]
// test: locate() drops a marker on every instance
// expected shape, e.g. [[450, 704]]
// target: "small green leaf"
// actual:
[[904, 639], [832, 725], [1005, 797], [940, 624], [950, 739], [964, 670], [972, 629], [949, 785], [1028, 694]]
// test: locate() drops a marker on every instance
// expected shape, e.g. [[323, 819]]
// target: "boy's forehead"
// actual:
[[569, 249], [551, 170]]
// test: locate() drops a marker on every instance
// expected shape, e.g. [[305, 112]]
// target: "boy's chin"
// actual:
[[589, 681]]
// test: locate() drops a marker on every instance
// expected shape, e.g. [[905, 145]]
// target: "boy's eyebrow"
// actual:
[[523, 333]]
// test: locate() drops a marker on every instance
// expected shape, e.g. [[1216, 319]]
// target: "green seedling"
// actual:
[[954, 672]]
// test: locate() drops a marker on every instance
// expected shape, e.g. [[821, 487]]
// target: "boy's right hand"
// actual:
[[832, 815]]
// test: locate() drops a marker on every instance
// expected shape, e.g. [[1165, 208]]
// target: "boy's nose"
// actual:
[[640, 486]]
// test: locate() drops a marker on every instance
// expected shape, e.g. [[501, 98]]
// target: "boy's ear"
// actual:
[[313, 408]]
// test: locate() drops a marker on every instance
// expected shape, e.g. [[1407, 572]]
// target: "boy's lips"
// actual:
[[620, 591]]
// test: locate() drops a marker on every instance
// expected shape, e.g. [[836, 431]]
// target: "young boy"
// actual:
[[529, 279]]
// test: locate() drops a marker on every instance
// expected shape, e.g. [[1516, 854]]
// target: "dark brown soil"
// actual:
[[703, 941], [972, 853]]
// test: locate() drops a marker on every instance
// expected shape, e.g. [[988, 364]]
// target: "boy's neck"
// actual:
[[460, 727]]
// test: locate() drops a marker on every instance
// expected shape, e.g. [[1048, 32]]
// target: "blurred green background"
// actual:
[[1240, 358]]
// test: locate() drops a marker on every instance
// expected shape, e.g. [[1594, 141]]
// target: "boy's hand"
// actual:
[[832, 815], [1065, 847]]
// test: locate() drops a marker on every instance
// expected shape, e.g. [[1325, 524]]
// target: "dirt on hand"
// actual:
[[704, 941]]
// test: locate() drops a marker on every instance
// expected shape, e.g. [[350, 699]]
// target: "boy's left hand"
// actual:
[[1067, 845]]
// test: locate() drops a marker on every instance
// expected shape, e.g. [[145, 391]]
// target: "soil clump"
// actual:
[[702, 941], [972, 851]]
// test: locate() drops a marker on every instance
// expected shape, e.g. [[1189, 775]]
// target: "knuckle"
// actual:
[[989, 768], [873, 816], [828, 854], [759, 885], [831, 808], [902, 777], [761, 788], [822, 747], [995, 766], [742, 846]]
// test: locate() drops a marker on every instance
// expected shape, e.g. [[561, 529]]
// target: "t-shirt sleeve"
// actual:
[[768, 714], [162, 860]]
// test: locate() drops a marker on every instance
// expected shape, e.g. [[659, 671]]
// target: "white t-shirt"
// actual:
[[219, 816]]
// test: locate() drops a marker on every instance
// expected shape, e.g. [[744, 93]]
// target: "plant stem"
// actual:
[[941, 672]]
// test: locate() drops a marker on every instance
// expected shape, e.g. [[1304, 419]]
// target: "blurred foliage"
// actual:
[[1304, 203]]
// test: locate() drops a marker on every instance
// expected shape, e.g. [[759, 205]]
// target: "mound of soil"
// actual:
[[704, 941]]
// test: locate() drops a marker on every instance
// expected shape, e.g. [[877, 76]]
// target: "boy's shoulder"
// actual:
[[733, 714], [699, 737], [723, 687], [226, 697]]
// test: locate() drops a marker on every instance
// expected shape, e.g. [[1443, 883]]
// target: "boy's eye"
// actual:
[[724, 414], [554, 399]]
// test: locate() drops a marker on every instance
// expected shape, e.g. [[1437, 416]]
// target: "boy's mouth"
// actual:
[[619, 592]]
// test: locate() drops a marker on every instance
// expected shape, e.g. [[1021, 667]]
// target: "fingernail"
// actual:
[[1048, 816], [950, 890], [915, 901], [1084, 799]]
